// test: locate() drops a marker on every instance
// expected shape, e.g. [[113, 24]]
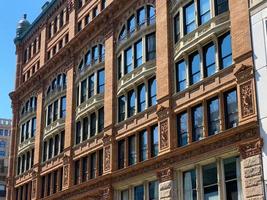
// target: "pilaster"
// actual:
[[166, 184]]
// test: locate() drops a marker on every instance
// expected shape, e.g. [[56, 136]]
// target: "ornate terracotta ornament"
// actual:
[[65, 175], [107, 193], [107, 158], [70, 5], [162, 112], [247, 103], [164, 138], [244, 73], [252, 148], [165, 175], [34, 186]]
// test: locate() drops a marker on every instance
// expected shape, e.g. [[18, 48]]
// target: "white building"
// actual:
[[258, 12]]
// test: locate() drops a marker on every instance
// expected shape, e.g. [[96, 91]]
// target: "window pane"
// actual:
[[152, 92], [176, 22], [95, 54], [139, 192], [85, 128], [189, 183], [123, 34], [154, 141], [33, 127], [119, 67], [138, 51], [225, 50], [132, 150], [189, 17], [231, 110], [63, 107], [100, 162], [88, 58], [153, 190], [204, 11], [209, 60], [93, 166], [221, 6], [121, 154], [194, 68], [101, 81], [131, 24], [141, 17], [181, 76], [143, 145], [92, 124], [122, 101], [128, 61], [55, 112], [83, 90], [124, 195], [230, 174], [151, 14], [210, 182], [91, 87], [78, 132], [197, 122], [151, 47], [101, 120], [213, 116], [131, 103], [76, 172], [141, 98], [182, 129]]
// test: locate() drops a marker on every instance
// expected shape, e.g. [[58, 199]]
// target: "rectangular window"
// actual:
[[50, 148], [119, 67], [100, 162], [151, 15], [231, 109], [194, 68], [93, 165], [141, 17], [49, 115], [78, 132], [85, 128], [190, 186], [86, 19], [95, 54], [83, 90], [131, 103], [121, 154], [131, 150], [153, 190], [221, 6], [88, 59], [122, 102], [91, 84], [182, 129], [56, 145], [54, 187], [176, 22], [62, 136], [63, 107], [103, 4], [152, 91], [154, 141], [143, 145], [128, 59], [150, 47], [79, 26], [210, 184], [131, 24], [209, 60], [197, 123], [139, 192], [77, 172], [95, 12], [55, 111], [124, 195], [100, 81], [92, 124], [204, 11], [44, 151], [138, 54], [33, 127], [189, 18], [213, 116], [181, 76], [141, 98], [27, 130], [84, 169], [225, 50], [100, 120], [231, 174]]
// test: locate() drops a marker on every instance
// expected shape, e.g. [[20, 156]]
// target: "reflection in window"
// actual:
[[143, 145], [221, 6], [210, 181], [91, 84], [189, 183], [197, 123], [189, 17], [131, 24], [225, 45], [141, 16], [122, 102], [231, 109], [213, 116], [182, 129], [150, 47], [209, 60], [132, 150], [121, 154], [138, 54], [100, 81], [152, 92], [124, 195], [141, 98], [194, 68], [176, 22], [139, 192], [128, 61], [154, 141], [131, 103], [181, 76], [204, 11]]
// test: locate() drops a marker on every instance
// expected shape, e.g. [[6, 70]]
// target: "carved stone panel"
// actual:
[[164, 138], [247, 99], [165, 175], [250, 149], [107, 158], [65, 175], [34, 188]]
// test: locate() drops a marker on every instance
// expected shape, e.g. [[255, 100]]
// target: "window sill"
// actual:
[[54, 128], [25, 145]]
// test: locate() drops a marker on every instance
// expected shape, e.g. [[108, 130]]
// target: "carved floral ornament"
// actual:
[[244, 73], [247, 99], [107, 158], [164, 139], [165, 175], [34, 186], [250, 149], [65, 175]]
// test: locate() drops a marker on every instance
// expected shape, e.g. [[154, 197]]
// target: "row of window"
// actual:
[[58, 83], [214, 118], [32, 49], [195, 14], [25, 161], [137, 100], [143, 16], [88, 167], [51, 183], [53, 146], [29, 106], [56, 110], [198, 65], [61, 43], [4, 132], [134, 56], [81, 3], [58, 22], [89, 126], [31, 71], [140, 152], [92, 85], [94, 55], [28, 130], [148, 191], [24, 191]]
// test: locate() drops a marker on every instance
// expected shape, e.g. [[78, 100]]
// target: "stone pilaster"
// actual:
[[107, 193], [167, 184], [251, 166]]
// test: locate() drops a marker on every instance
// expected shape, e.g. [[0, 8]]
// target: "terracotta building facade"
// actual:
[[136, 100]]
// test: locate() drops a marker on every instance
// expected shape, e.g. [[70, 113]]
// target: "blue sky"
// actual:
[[11, 12]]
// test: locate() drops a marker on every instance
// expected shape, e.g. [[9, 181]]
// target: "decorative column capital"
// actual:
[[165, 175], [251, 148]]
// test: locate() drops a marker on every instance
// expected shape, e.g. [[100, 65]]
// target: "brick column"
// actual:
[[164, 75], [166, 184], [72, 18], [43, 46], [251, 166]]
